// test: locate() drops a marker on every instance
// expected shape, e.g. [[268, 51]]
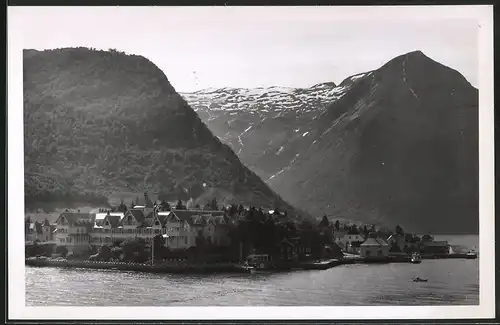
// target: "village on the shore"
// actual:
[[161, 232]]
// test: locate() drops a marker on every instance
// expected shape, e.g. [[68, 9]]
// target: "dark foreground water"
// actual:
[[451, 282]]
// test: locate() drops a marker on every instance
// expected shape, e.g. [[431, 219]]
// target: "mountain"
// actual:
[[400, 145], [260, 124], [104, 124]]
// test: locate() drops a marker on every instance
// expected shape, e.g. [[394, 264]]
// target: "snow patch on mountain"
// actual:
[[272, 99], [288, 167]]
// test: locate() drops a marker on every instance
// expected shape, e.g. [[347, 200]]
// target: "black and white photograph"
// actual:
[[236, 157]]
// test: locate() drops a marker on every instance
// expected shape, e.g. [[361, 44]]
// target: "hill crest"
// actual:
[[108, 123]]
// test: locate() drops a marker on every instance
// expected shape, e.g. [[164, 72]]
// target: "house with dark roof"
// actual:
[[177, 229], [291, 249], [112, 227], [428, 245], [47, 231], [350, 236], [133, 218], [186, 228], [104, 218], [73, 229], [374, 247], [105, 225], [398, 240], [38, 231], [33, 231]]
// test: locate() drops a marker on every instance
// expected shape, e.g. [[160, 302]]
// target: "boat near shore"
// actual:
[[471, 255], [415, 259]]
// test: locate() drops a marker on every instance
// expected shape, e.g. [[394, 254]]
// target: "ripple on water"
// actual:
[[450, 282]]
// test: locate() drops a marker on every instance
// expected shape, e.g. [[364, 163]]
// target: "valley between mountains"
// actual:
[[398, 144]]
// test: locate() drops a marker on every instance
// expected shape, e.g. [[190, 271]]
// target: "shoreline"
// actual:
[[138, 267], [211, 268]]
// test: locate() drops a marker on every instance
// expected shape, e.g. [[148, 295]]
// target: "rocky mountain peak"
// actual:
[[394, 145]]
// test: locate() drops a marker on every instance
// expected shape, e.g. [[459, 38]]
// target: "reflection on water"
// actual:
[[451, 282]]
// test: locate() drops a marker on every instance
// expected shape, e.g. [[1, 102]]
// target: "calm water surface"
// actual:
[[451, 282]]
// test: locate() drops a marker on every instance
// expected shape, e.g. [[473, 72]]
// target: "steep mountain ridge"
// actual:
[[106, 122], [402, 146], [399, 146]]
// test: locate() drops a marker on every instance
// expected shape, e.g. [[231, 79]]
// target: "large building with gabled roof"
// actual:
[[183, 228], [374, 247]]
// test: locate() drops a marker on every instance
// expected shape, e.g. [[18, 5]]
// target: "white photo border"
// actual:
[[486, 308]]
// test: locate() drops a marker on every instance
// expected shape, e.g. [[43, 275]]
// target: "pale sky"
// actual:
[[257, 47]]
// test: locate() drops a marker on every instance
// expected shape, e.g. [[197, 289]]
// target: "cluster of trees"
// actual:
[[412, 241], [140, 251], [44, 249], [354, 229], [262, 232], [134, 250], [254, 232], [37, 249], [41, 191], [213, 205]]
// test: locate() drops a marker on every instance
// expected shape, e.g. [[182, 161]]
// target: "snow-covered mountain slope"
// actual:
[[266, 126], [395, 145], [258, 100]]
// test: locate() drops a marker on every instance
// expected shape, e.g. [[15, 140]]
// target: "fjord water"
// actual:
[[450, 282]]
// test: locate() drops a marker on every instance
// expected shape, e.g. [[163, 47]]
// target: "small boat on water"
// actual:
[[471, 255], [419, 279], [415, 259]]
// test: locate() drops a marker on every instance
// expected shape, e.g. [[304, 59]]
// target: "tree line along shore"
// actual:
[[250, 231]]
